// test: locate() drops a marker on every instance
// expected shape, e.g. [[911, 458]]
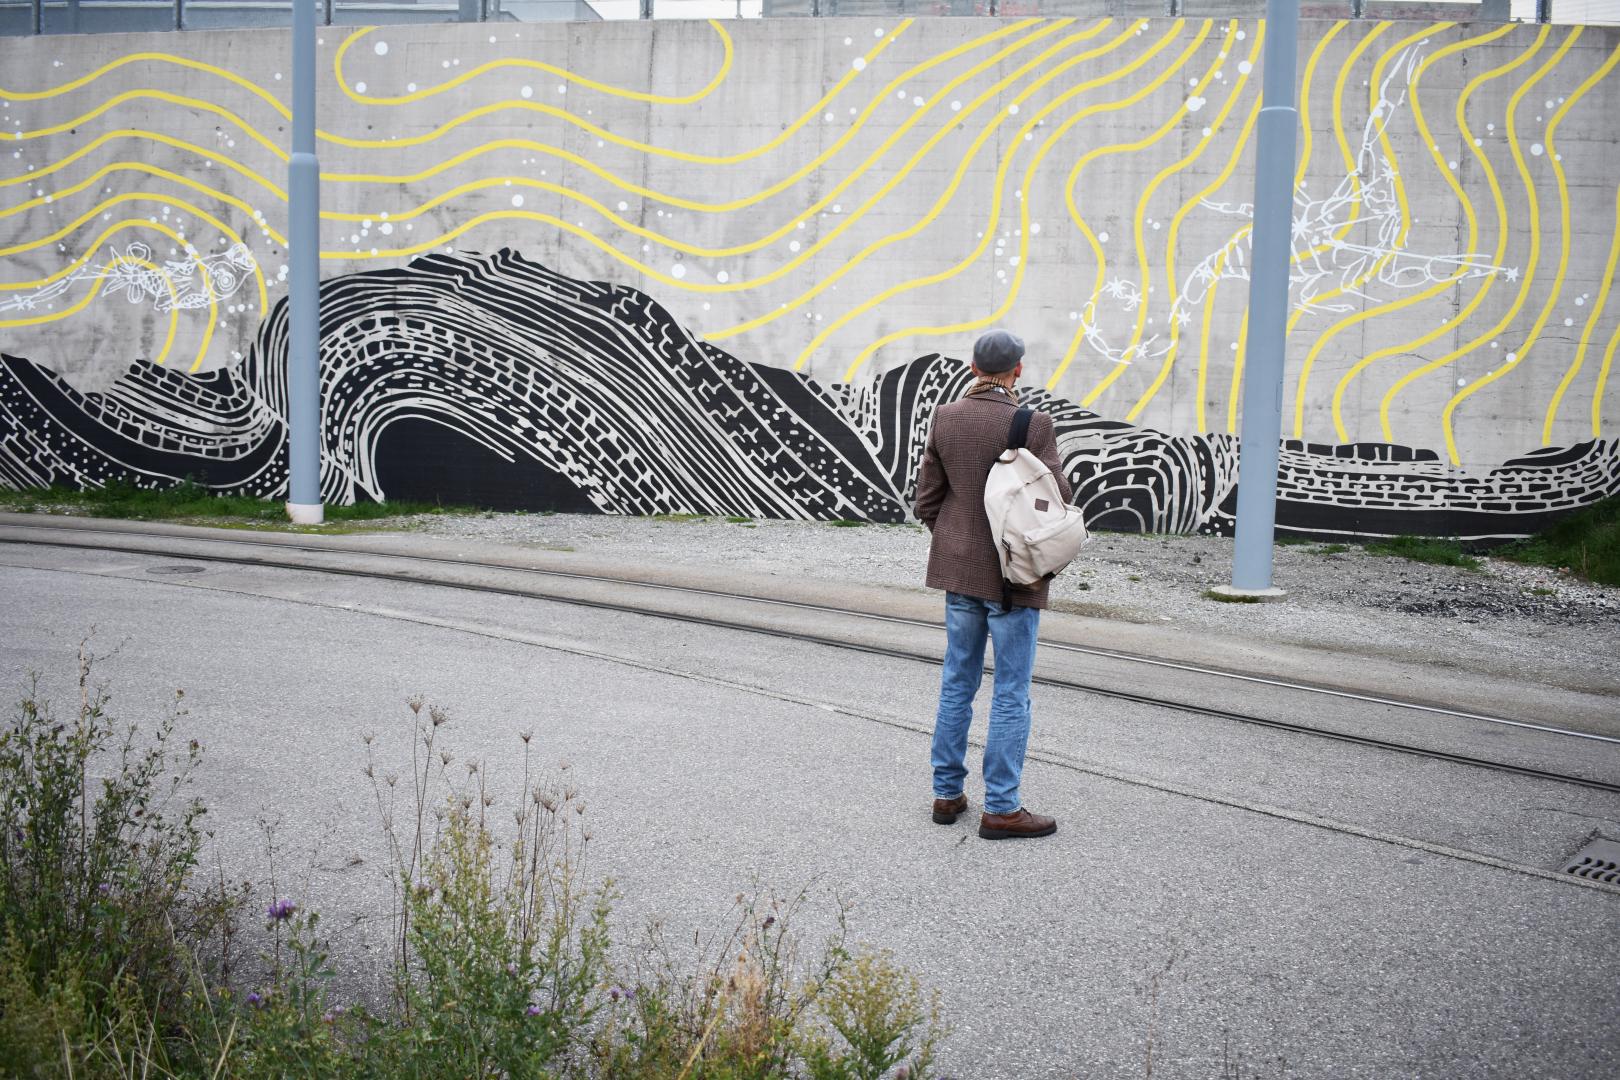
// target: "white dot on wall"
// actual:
[[1452, 165], [562, 88], [527, 91], [1569, 322], [1462, 382], [517, 200], [859, 63], [623, 206], [878, 32], [1002, 274], [838, 208], [278, 76], [1490, 127], [1241, 34], [381, 48], [1195, 103], [956, 106], [386, 228], [722, 277], [1073, 315], [410, 88], [1102, 238], [1245, 67], [444, 63], [793, 245], [1012, 110], [1549, 105], [1208, 132], [1034, 229], [677, 271], [1496, 344], [849, 41], [359, 87], [1580, 301], [828, 118], [1512, 358], [1537, 149], [917, 101]]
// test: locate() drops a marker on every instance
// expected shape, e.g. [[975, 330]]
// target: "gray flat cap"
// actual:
[[997, 351]]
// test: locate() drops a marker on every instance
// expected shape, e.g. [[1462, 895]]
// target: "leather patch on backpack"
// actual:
[[1041, 505]]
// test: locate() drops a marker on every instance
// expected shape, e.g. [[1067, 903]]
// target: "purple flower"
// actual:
[[104, 888], [280, 910], [511, 969], [532, 1010], [625, 992], [255, 999]]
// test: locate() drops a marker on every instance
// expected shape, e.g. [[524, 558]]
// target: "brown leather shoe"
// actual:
[[945, 810], [1014, 825]]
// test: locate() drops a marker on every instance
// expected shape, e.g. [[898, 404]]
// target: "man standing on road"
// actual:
[[966, 438]]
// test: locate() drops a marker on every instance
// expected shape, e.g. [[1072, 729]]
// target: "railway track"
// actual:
[[740, 612]]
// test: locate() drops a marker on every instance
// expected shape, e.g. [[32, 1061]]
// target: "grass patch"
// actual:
[[188, 501], [679, 518], [1586, 543], [1425, 549], [739, 520], [847, 523], [1331, 549], [1223, 598]]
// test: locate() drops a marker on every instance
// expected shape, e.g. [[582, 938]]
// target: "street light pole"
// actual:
[[304, 281], [1266, 346]]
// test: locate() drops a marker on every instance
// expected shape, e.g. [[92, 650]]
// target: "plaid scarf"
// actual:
[[981, 385]]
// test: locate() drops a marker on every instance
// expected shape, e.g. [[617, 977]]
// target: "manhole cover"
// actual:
[[176, 569], [1599, 860]]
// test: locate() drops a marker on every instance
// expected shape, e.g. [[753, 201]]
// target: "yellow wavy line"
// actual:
[[967, 158], [1501, 245], [150, 170], [1203, 335], [990, 94], [1603, 382], [118, 260], [1553, 294], [561, 73], [1175, 227], [1500, 205], [995, 210], [1087, 158], [1389, 307], [1139, 324], [95, 290], [1352, 167], [443, 129], [1608, 274], [266, 96], [135, 196], [1306, 148], [504, 181], [1587, 336]]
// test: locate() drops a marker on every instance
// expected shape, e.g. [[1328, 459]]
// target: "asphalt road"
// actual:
[[1334, 911]]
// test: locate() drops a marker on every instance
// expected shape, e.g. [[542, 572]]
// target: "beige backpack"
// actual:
[[1035, 531]]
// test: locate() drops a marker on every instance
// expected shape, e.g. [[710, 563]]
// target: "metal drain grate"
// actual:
[[1599, 860], [176, 569]]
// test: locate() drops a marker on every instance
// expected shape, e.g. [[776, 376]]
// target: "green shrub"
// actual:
[[1424, 549], [1587, 543]]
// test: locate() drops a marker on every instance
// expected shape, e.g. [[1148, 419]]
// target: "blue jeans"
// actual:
[[968, 622]]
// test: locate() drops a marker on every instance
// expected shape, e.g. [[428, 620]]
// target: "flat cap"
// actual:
[[997, 351]]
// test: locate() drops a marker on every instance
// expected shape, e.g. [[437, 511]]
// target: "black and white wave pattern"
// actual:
[[493, 380]]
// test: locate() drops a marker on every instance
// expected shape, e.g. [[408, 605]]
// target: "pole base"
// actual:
[[306, 513], [1251, 596]]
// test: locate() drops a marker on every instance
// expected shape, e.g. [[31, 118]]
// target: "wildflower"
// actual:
[[525, 736], [416, 704], [104, 888], [437, 715], [280, 910], [255, 999], [621, 992], [532, 1010], [770, 921], [511, 968]]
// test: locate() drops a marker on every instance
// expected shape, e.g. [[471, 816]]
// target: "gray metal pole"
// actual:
[[304, 282], [1268, 303], [39, 16]]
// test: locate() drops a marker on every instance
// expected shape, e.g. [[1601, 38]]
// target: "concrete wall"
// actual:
[[842, 196]]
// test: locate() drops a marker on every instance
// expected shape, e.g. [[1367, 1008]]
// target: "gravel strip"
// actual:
[[1525, 622]]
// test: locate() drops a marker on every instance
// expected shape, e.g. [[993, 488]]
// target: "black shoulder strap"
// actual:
[[1019, 435]]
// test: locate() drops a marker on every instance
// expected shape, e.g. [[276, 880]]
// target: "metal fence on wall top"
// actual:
[[25, 17]]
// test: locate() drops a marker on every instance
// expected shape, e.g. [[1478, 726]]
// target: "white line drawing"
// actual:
[[1324, 261], [186, 284]]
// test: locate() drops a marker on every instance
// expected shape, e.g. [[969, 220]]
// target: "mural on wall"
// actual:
[[1082, 181], [546, 391]]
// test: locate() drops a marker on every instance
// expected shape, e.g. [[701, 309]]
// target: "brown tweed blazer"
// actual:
[[966, 439]]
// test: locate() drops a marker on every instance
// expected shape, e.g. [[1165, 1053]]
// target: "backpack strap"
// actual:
[[1019, 435]]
